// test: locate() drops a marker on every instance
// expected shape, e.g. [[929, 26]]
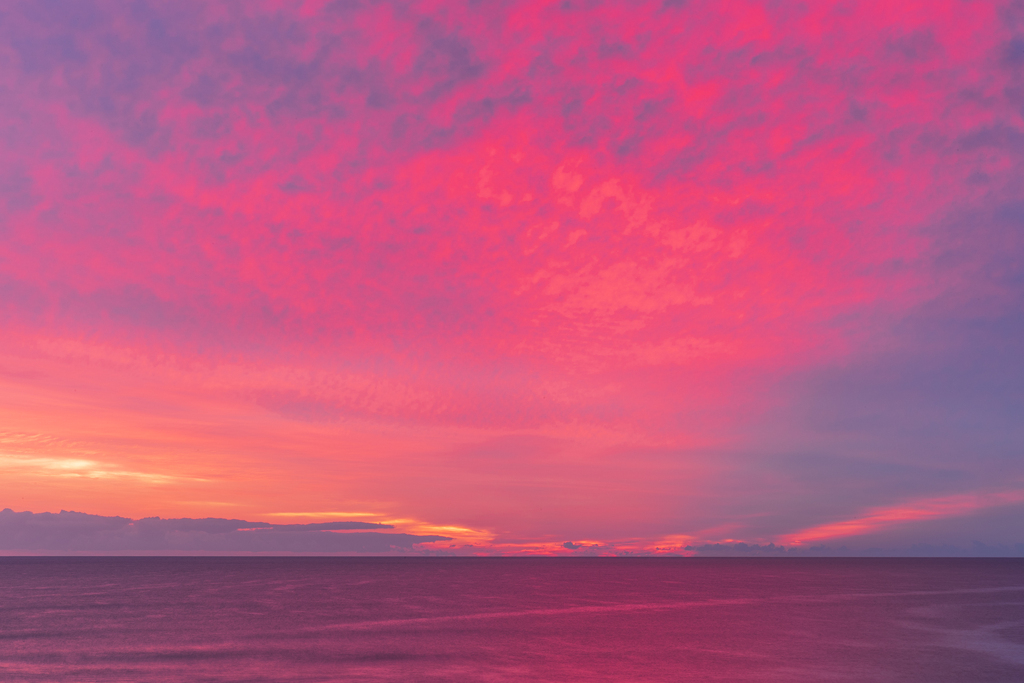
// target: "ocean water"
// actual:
[[511, 619]]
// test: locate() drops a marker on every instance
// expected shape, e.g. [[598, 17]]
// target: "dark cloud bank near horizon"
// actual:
[[77, 532], [81, 533], [976, 549]]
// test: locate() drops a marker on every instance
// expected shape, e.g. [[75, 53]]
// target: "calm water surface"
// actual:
[[511, 619]]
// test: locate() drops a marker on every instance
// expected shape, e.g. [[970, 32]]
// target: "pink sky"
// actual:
[[630, 275]]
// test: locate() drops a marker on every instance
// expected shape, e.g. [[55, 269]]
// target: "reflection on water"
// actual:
[[511, 619]]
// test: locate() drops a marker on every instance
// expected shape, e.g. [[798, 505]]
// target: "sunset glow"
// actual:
[[553, 277]]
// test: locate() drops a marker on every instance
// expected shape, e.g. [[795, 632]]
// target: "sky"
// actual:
[[531, 277]]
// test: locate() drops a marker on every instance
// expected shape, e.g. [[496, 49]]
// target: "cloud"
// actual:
[[875, 520], [76, 532], [976, 549], [634, 270], [78, 467]]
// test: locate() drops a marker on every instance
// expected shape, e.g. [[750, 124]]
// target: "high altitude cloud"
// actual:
[[639, 275]]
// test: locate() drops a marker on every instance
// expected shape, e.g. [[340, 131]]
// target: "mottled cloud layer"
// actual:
[[636, 275]]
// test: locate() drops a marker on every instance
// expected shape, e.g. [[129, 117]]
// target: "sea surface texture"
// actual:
[[511, 619]]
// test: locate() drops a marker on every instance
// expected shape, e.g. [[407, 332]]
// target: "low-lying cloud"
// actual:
[[977, 549], [77, 532]]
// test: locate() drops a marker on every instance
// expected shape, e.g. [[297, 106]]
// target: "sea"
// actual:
[[284, 619]]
